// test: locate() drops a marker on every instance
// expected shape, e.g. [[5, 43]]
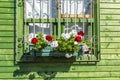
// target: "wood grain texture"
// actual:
[[107, 69]]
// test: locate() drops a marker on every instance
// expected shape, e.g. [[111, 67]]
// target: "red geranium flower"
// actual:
[[34, 40], [81, 33], [49, 38], [78, 39]]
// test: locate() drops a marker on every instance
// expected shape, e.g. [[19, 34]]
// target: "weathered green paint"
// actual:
[[61, 20], [107, 69]]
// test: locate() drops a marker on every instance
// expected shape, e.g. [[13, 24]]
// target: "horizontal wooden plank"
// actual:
[[115, 74], [110, 39], [7, 33], [115, 57], [6, 16], [110, 11], [110, 51], [6, 45], [109, 28], [7, 0], [110, 1], [62, 75], [62, 68], [110, 34], [110, 78], [67, 78], [6, 27], [7, 4], [6, 39], [109, 63], [7, 22], [110, 5], [109, 22], [6, 57], [109, 45], [22, 79], [110, 17], [6, 51], [101, 63], [7, 10], [6, 63], [84, 74]]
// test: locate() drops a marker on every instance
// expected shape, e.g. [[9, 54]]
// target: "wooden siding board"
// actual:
[[7, 33], [6, 27], [87, 78], [109, 45], [109, 17], [6, 57], [112, 1], [8, 16], [6, 64], [6, 22], [114, 57], [109, 29], [72, 69], [6, 51], [109, 33], [107, 69], [6, 39], [109, 22], [110, 5], [7, 4], [8, 0], [7, 10], [109, 11], [110, 51], [110, 39], [6, 45]]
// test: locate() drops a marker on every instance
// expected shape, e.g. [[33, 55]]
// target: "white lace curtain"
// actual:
[[48, 8]]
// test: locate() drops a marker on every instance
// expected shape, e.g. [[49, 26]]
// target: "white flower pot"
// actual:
[[67, 55]]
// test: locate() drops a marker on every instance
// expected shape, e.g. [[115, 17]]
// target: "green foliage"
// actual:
[[42, 43], [67, 45], [87, 42]]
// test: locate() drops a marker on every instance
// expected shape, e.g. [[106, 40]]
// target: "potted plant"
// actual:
[[68, 43], [41, 41]]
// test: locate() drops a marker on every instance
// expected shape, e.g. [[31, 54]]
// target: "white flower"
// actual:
[[65, 36], [68, 55], [75, 43], [54, 44], [73, 32]]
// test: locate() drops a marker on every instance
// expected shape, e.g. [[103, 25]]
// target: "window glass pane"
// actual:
[[45, 28]]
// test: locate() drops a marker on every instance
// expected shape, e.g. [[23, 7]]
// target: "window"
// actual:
[[55, 17]]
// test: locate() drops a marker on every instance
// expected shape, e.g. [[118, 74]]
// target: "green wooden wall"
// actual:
[[107, 69]]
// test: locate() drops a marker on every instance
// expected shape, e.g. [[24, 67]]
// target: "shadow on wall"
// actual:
[[46, 71]]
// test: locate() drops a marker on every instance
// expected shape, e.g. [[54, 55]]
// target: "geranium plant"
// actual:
[[69, 42], [41, 41]]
